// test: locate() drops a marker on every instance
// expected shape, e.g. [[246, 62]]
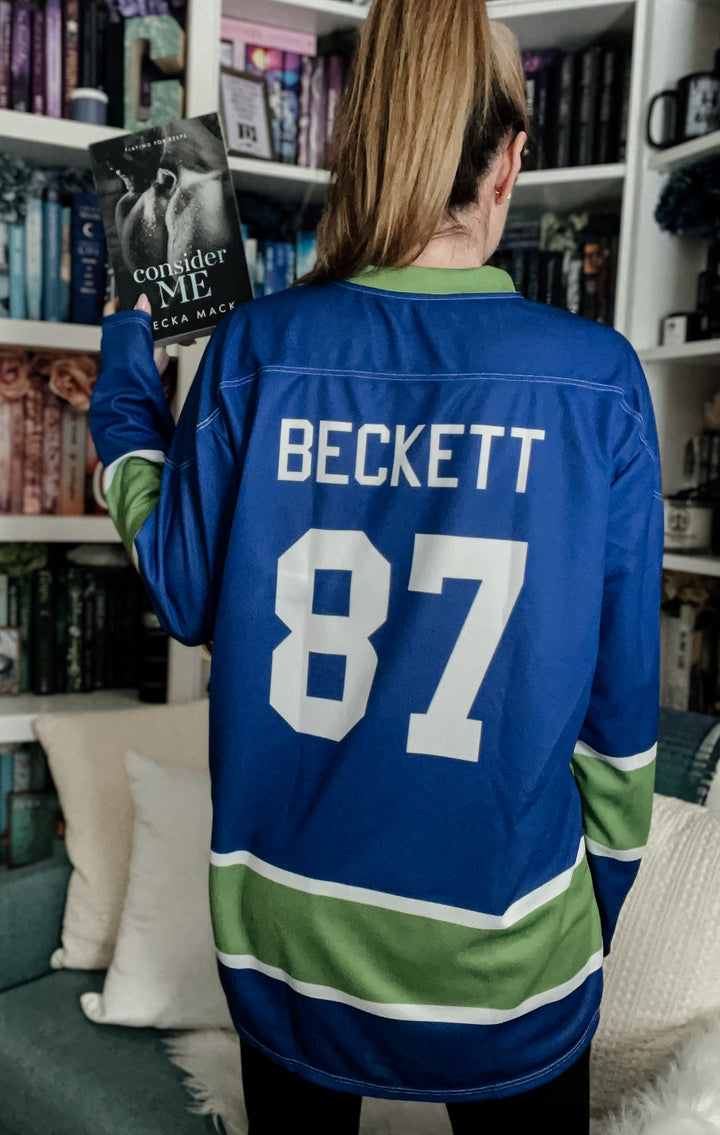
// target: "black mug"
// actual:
[[692, 109]]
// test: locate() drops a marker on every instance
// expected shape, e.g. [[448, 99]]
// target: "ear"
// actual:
[[508, 167]]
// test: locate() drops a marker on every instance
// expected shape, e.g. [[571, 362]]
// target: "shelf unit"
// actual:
[[656, 273]]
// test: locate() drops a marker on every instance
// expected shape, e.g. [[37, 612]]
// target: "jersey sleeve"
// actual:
[[170, 490], [614, 760]]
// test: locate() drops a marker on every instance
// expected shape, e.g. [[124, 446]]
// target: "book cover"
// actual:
[[51, 255], [72, 462], [20, 55], [172, 225], [89, 253], [37, 59], [306, 71], [32, 465], [16, 261], [32, 824], [5, 54], [9, 661], [70, 52], [290, 108], [53, 58], [34, 258]]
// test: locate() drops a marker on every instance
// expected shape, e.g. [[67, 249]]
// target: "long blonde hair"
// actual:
[[436, 88]]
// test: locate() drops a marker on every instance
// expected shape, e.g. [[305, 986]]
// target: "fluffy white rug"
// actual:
[[685, 1101]]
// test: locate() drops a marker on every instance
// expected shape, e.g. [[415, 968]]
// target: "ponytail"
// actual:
[[436, 88]]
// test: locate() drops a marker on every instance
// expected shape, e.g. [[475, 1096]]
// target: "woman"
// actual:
[[420, 519]]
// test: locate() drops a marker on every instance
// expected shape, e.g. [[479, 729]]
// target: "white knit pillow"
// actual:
[[86, 754], [663, 973]]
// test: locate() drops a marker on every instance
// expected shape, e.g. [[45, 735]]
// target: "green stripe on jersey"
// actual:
[[436, 281], [133, 494], [394, 957], [616, 805]]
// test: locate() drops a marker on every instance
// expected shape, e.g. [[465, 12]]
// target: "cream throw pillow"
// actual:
[[662, 977], [163, 972], [86, 754]]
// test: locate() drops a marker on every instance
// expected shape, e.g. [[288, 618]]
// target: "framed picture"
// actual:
[[246, 114], [9, 660]]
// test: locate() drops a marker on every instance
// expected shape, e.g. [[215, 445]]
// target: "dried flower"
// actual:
[[72, 377]]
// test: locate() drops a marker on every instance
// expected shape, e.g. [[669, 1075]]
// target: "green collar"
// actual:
[[435, 281]]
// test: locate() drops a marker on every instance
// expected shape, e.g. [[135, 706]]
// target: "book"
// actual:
[[90, 44], [9, 661], [318, 114], [51, 255], [267, 62], [33, 453], [16, 261], [51, 453], [192, 273], [42, 645], [71, 496], [607, 141], [20, 615], [4, 270], [6, 787], [566, 91], [32, 825], [290, 114], [305, 251], [88, 250], [37, 59], [65, 284], [4, 599], [34, 258], [114, 69], [20, 55], [5, 457], [586, 105], [5, 54], [74, 579], [71, 52], [306, 71], [53, 58], [624, 102], [17, 455], [334, 94], [236, 34]]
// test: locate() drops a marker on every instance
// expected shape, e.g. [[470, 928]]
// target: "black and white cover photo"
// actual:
[[172, 225]]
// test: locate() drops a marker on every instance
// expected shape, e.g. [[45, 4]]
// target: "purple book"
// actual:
[[37, 59], [306, 70], [334, 94], [20, 55], [5, 56], [318, 114], [53, 58]]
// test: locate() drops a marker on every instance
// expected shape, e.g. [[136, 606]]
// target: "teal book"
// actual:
[[51, 255], [34, 258], [32, 825], [18, 305]]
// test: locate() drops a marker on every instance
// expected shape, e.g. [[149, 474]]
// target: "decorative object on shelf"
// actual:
[[690, 201], [87, 104], [688, 111], [246, 114], [172, 225], [165, 39], [681, 327]]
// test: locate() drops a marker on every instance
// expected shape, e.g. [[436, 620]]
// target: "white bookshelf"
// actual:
[[656, 273], [17, 714]]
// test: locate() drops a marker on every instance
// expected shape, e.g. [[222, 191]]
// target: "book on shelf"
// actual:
[[21, 41], [5, 54], [70, 53], [53, 58], [24, 772], [37, 57], [192, 274], [33, 826]]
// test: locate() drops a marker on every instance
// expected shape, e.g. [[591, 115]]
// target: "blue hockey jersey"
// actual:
[[420, 520]]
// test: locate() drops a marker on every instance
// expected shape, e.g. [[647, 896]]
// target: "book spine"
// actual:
[[268, 62], [88, 630], [51, 255], [529, 154], [37, 60], [32, 479], [95, 503], [20, 602], [65, 260], [591, 264], [6, 783], [72, 463], [624, 104], [70, 52], [114, 70], [5, 54], [74, 631], [17, 452], [5, 456], [88, 259], [43, 633], [4, 270], [20, 55], [53, 58], [290, 108], [34, 258], [306, 70], [290, 261], [18, 304], [22, 769], [607, 139], [89, 34], [270, 275], [4, 600], [547, 110], [586, 105], [318, 114], [51, 453], [334, 94], [99, 633], [565, 110], [305, 251]]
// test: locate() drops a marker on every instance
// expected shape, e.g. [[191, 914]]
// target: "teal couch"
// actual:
[[62, 1075], [59, 1073]]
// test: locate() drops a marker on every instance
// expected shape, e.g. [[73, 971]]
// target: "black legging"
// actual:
[[279, 1101]]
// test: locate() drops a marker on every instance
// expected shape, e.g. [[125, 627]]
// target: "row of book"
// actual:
[[568, 262], [50, 48], [78, 621], [53, 259], [30, 817], [276, 264], [304, 78], [48, 463], [578, 103]]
